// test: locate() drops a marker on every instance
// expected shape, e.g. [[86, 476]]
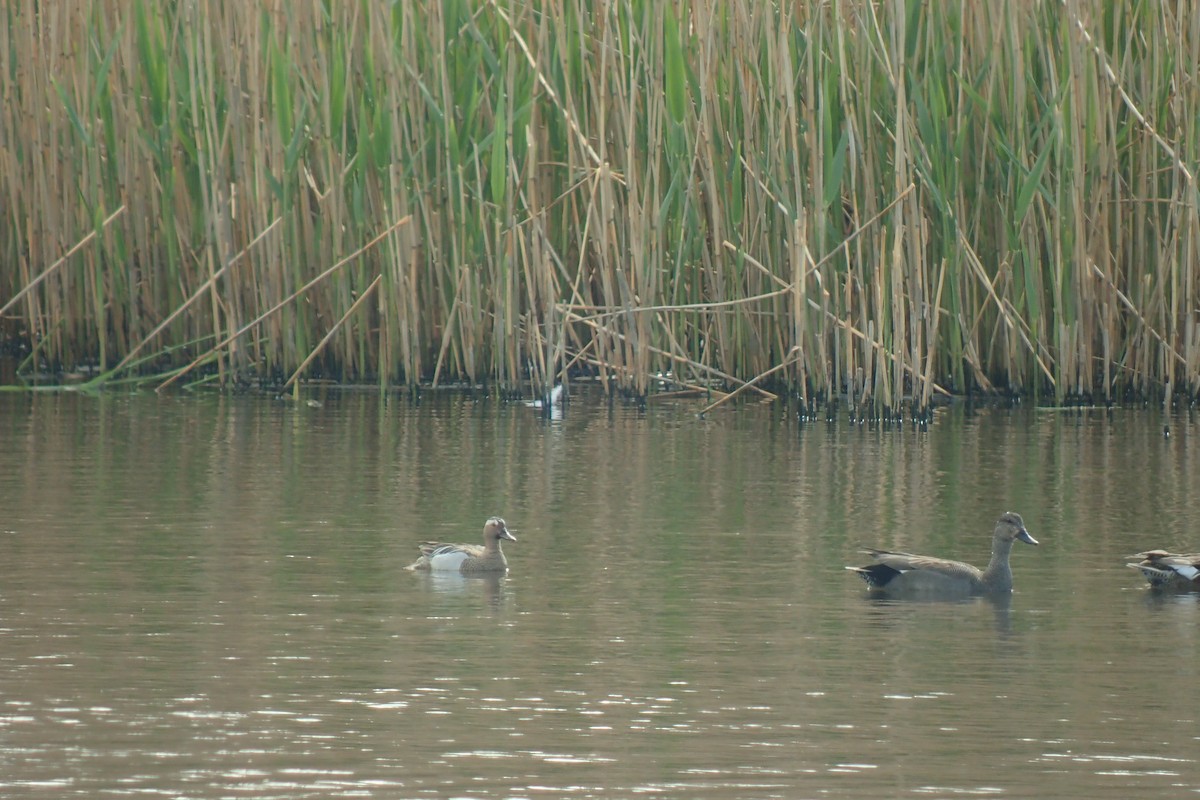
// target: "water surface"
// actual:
[[204, 597]]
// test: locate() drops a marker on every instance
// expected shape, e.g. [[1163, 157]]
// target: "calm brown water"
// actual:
[[204, 597]]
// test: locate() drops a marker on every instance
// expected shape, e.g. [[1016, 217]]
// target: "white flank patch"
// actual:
[[1187, 572], [447, 559]]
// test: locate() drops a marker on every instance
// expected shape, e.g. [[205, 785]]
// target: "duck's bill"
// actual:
[[1026, 538], [507, 534]]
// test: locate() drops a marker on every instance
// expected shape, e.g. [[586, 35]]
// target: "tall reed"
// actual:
[[881, 200]]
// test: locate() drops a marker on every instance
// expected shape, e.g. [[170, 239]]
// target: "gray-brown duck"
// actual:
[[906, 574]]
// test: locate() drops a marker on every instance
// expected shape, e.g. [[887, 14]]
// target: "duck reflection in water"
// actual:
[[888, 612], [490, 585]]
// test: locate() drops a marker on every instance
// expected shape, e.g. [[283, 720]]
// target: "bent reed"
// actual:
[[883, 200]]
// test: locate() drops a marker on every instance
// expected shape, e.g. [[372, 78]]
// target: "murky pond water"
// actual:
[[204, 597]]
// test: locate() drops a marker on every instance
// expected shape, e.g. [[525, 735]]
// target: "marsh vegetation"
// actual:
[[882, 199]]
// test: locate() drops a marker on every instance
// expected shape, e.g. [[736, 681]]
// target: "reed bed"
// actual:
[[881, 201]]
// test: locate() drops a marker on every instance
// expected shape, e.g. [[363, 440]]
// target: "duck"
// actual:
[[468, 559], [900, 574], [1165, 570], [552, 399]]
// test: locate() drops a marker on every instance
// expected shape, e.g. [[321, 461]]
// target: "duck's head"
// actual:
[[495, 529], [1011, 527]]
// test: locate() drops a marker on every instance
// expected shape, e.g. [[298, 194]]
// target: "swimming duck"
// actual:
[[1166, 570], [907, 574], [468, 558]]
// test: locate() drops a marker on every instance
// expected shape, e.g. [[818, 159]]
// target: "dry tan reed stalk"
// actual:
[[451, 322], [675, 358], [333, 331], [931, 339], [616, 311], [853, 332], [582, 140], [792, 356], [1111, 75], [1011, 320], [48, 271], [1167, 347], [201, 290], [283, 303], [691, 388]]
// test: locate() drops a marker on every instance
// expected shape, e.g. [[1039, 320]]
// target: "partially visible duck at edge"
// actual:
[[1165, 570], [468, 559], [905, 574]]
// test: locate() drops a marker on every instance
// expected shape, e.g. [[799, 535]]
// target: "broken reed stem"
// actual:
[[1006, 314], [451, 322], [333, 330], [1125, 301], [282, 303], [1111, 75], [895, 359], [691, 387], [580, 137], [609, 311], [676, 358], [60, 261], [793, 356], [931, 342], [204, 287]]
